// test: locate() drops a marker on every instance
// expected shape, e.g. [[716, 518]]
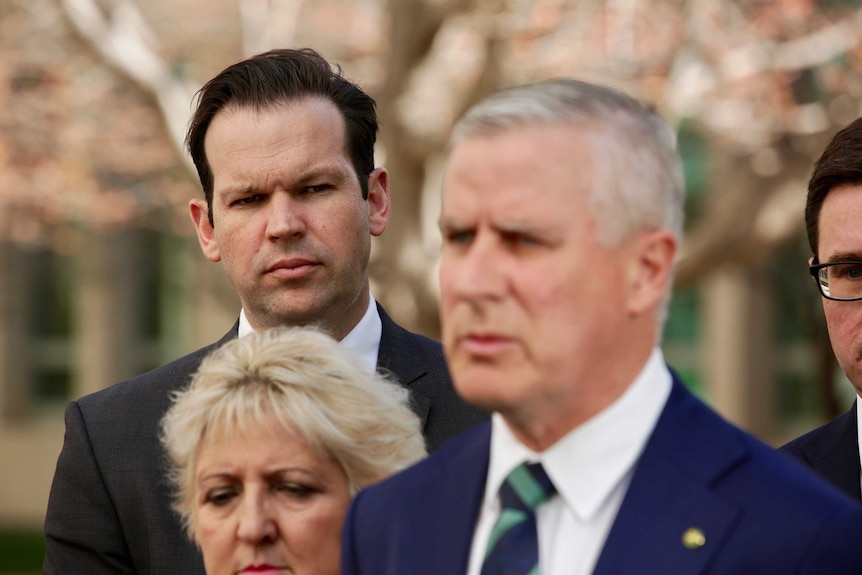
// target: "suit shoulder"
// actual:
[[417, 341], [741, 467], [816, 517], [795, 489], [411, 356], [426, 342], [156, 383], [431, 350], [464, 451], [820, 439], [794, 447]]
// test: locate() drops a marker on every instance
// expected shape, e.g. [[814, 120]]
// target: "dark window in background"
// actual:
[[50, 278]]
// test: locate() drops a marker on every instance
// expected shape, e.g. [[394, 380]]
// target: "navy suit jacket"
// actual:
[[761, 513], [832, 451], [109, 509]]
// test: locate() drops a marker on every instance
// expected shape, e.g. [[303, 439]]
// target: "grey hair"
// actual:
[[303, 380], [639, 185]]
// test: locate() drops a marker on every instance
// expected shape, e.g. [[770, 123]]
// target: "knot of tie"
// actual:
[[526, 487], [513, 547]]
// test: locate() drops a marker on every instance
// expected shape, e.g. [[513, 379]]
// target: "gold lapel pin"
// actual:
[[693, 538]]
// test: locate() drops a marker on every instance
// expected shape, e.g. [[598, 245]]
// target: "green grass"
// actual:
[[21, 551]]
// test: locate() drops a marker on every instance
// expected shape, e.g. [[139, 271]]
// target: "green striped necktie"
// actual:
[[513, 548]]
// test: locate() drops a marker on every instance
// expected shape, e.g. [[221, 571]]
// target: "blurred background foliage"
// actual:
[[100, 275]]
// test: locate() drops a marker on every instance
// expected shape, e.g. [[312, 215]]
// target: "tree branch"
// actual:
[[125, 42]]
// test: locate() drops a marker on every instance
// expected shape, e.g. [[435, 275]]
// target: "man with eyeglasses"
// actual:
[[833, 220]]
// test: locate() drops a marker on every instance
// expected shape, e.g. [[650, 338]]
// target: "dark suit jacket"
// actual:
[[760, 512], [109, 509], [832, 450]]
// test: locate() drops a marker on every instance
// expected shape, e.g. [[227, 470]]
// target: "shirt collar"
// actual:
[[591, 460], [363, 341]]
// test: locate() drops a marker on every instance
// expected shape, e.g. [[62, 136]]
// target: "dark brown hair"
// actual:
[[839, 165], [276, 77]]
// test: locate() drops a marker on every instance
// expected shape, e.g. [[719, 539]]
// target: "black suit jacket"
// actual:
[[832, 450], [109, 509]]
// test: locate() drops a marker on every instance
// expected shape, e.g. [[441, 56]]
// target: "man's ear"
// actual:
[[199, 211], [378, 201], [650, 270]]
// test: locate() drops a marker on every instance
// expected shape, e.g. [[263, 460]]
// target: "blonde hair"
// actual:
[[305, 381]]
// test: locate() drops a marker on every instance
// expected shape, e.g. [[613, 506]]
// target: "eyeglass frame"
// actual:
[[814, 270]]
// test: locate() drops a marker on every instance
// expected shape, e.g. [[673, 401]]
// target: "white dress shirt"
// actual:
[[591, 467], [363, 341]]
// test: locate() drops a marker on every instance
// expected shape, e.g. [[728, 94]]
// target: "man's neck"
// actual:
[[363, 340]]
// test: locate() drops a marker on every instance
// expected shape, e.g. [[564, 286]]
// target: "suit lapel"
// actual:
[[834, 452], [451, 517], [670, 501], [400, 355]]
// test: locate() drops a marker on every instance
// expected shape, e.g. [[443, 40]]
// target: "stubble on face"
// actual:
[[291, 226], [840, 239]]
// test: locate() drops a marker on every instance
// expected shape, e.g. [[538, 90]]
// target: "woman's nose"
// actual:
[[256, 522]]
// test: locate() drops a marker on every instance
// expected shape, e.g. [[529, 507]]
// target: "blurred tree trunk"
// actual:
[[403, 266], [759, 80]]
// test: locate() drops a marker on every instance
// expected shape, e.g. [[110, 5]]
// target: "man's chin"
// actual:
[[292, 316], [485, 389]]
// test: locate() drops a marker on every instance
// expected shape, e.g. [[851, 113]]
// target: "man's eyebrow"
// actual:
[[323, 171], [844, 257], [236, 190], [304, 178], [507, 227], [514, 227], [450, 224]]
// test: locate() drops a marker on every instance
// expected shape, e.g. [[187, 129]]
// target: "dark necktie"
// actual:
[[513, 548]]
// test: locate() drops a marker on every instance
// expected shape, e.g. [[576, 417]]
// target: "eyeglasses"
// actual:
[[841, 281]]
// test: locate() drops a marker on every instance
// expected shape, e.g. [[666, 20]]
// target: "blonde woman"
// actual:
[[276, 433]]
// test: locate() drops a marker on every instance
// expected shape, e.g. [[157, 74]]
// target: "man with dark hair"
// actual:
[[833, 212], [284, 147]]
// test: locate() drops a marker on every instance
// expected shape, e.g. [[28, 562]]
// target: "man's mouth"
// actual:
[[292, 268]]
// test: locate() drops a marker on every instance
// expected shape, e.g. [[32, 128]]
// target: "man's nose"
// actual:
[[477, 270], [285, 217]]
